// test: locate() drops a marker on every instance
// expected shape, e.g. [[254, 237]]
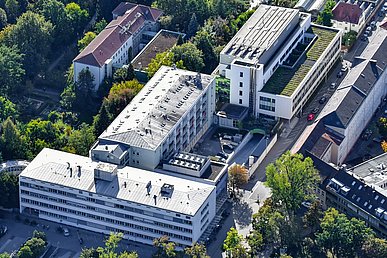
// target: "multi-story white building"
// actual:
[[170, 114], [118, 42], [277, 60], [143, 205], [343, 119]]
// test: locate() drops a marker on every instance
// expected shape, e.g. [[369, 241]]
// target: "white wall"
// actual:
[[235, 81], [97, 72]]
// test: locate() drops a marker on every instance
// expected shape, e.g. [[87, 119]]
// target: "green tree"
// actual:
[[383, 126], [25, 252], [11, 69], [12, 145], [325, 17], [191, 56], [80, 140], [3, 18], [33, 35], [39, 234], [5, 255], [165, 58], [192, 26], [203, 42], [100, 26], [255, 241], [233, 244], [313, 215], [85, 41], [36, 246], [101, 121], [340, 236], [7, 109], [165, 248], [85, 84], [238, 175], [77, 17], [13, 9], [374, 248], [9, 190], [291, 179], [89, 253], [196, 251]]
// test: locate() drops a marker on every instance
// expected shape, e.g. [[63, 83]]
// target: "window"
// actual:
[[240, 101], [240, 93], [267, 104], [240, 74], [240, 84]]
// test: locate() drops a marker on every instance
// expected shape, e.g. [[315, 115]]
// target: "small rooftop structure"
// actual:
[[187, 163], [117, 32], [128, 183], [161, 42], [312, 6], [232, 111], [156, 109]]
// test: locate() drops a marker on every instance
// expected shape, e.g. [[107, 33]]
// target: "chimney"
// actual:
[[125, 184], [148, 187], [155, 198], [79, 170], [71, 172]]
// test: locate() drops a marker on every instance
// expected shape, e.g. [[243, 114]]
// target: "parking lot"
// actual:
[[69, 246]]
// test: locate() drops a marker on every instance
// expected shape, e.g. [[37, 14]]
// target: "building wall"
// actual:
[[97, 72], [104, 214], [362, 117]]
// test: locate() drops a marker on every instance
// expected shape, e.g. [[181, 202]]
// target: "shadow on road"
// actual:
[[242, 212]]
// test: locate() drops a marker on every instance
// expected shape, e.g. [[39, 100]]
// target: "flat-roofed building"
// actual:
[[276, 61], [170, 114], [76, 191]]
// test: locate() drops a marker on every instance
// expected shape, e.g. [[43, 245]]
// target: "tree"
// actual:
[[192, 26], [7, 109], [85, 41], [383, 144], [33, 35], [383, 126], [349, 38], [313, 215], [89, 253], [25, 252], [325, 17], [101, 121], [233, 244], [81, 140], [291, 179], [5, 255], [203, 42], [255, 241], [238, 175], [165, 248], [191, 56], [11, 69], [196, 251], [100, 26], [9, 190], [3, 18], [12, 145], [77, 17], [340, 236], [85, 84], [374, 248], [13, 9], [165, 58], [39, 234], [36, 246]]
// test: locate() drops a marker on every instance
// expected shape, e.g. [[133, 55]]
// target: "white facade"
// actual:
[[143, 205], [162, 120], [250, 65]]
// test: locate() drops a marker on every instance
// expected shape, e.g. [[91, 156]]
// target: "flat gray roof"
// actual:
[[51, 166], [156, 109], [261, 32]]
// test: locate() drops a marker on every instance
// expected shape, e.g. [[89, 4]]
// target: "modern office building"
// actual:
[[133, 26], [361, 192], [347, 113], [169, 115], [276, 61], [101, 197]]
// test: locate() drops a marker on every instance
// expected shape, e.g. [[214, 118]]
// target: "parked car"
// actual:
[[332, 86], [228, 147], [3, 230], [66, 232], [373, 25], [377, 140], [310, 117], [306, 204], [222, 154], [322, 100], [315, 110], [339, 74]]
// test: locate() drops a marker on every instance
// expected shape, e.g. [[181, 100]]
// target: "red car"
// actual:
[[310, 117]]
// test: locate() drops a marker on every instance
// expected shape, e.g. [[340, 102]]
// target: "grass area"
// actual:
[[285, 80]]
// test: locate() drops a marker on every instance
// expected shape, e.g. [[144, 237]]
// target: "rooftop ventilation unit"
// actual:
[[166, 190]]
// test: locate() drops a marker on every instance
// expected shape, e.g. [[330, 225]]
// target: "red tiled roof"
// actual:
[[114, 35], [346, 12]]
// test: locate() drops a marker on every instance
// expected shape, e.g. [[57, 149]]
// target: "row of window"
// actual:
[[104, 219]]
